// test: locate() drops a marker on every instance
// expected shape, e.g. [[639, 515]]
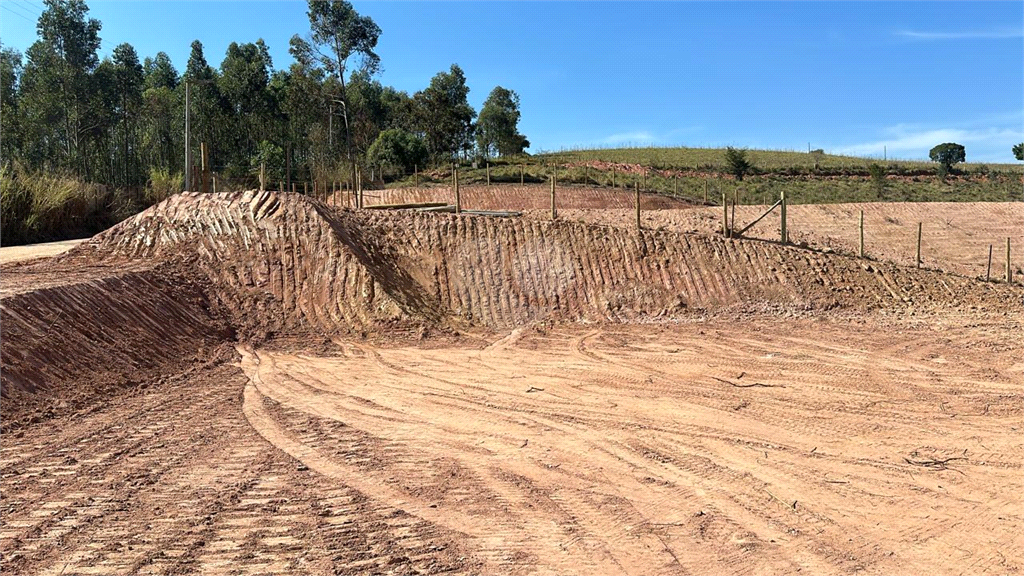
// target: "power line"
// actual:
[[20, 10], [33, 7], [27, 7], [4, 6]]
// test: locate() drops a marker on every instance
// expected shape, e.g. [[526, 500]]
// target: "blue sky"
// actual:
[[847, 77]]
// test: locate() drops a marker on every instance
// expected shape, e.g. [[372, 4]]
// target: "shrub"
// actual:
[[163, 184], [877, 173], [736, 162]]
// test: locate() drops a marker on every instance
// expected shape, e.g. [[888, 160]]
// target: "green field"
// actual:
[[807, 178]]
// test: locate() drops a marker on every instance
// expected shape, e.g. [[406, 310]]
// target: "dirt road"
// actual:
[[764, 446], [18, 253], [253, 383]]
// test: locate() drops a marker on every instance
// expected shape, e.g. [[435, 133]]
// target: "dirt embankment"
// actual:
[[526, 197], [184, 274], [955, 235]]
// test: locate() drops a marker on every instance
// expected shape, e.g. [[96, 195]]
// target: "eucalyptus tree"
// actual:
[[57, 84], [497, 129], [10, 124], [444, 115], [129, 78], [339, 38]]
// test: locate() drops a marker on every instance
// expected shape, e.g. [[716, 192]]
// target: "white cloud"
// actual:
[[910, 141], [997, 34], [638, 137]]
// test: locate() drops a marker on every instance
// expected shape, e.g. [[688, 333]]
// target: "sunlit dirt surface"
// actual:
[[708, 447]]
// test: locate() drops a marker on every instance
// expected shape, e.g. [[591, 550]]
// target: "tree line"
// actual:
[[120, 120]]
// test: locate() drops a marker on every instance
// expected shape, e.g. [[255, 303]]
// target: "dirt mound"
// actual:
[[527, 197], [285, 261], [173, 279], [74, 341]]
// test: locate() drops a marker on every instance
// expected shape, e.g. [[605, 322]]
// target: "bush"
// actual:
[[163, 184], [877, 173], [736, 162], [398, 149]]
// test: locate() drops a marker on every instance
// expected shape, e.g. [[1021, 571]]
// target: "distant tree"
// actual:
[[947, 155], [129, 78], [57, 83], [208, 105], [1018, 151], [444, 115], [337, 34], [398, 149], [270, 157], [877, 173], [497, 126], [736, 162], [10, 127], [160, 72], [243, 80]]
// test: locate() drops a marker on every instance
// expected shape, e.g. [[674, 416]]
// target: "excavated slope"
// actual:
[[158, 292], [329, 270]]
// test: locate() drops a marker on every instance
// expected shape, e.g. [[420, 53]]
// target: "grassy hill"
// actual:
[[810, 178]]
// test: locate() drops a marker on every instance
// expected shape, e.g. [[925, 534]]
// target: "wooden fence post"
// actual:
[[359, 188], [263, 176], [988, 271], [206, 167], [293, 187], [917, 258], [554, 211], [1009, 274], [305, 188], [725, 216], [488, 173], [636, 187], [522, 174], [458, 198], [861, 233], [785, 231], [732, 218], [416, 174]]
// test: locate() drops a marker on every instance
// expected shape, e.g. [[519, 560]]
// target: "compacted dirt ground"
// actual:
[[235, 430]]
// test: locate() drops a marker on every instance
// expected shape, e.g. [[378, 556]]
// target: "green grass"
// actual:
[[836, 179], [769, 161], [46, 206]]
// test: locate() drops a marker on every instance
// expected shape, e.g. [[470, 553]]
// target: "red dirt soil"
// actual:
[[260, 383]]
